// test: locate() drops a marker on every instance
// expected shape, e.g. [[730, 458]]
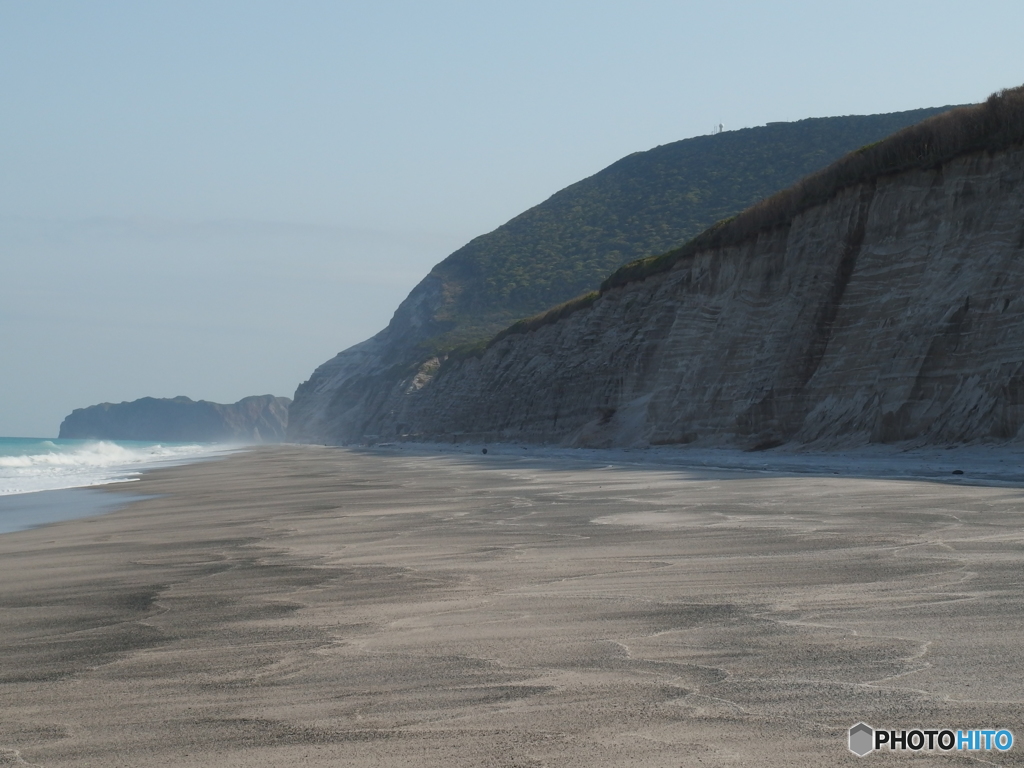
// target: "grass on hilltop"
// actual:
[[994, 125]]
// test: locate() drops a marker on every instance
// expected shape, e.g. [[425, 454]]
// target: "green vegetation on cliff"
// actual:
[[992, 126], [995, 125], [646, 204]]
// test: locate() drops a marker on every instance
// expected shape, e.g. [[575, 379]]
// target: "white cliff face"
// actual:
[[893, 312]]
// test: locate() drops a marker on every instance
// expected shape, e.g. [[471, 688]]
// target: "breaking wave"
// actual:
[[39, 465]]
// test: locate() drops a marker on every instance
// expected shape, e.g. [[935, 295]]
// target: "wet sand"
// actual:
[[323, 607], [21, 511]]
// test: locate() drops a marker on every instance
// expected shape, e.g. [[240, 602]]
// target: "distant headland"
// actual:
[[258, 419]]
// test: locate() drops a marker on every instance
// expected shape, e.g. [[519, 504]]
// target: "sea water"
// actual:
[[32, 464]]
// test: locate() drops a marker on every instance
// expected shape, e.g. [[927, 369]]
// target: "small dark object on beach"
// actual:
[[484, 451], [958, 471]]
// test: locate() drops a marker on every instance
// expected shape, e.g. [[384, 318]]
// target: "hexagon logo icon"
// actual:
[[862, 737]]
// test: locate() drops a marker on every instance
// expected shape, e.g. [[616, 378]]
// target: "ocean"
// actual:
[[31, 464], [45, 481]]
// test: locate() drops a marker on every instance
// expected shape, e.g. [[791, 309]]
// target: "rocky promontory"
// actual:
[[261, 418]]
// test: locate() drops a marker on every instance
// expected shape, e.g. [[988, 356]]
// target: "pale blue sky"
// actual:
[[211, 198]]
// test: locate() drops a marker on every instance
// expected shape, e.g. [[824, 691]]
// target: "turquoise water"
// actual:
[[35, 464]]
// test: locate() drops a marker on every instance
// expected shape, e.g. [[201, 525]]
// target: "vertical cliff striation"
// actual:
[[643, 204], [881, 302]]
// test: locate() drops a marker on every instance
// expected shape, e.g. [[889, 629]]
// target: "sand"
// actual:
[[327, 607]]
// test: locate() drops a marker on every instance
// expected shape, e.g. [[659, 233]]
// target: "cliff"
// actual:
[[644, 204], [262, 418], [879, 301]]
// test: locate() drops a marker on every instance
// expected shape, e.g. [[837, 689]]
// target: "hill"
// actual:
[[644, 204], [877, 301]]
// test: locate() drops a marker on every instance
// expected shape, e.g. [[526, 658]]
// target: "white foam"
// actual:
[[91, 463]]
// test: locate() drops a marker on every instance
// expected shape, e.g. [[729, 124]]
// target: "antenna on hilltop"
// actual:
[[717, 129]]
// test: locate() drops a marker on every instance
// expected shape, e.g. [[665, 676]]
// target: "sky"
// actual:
[[212, 198]]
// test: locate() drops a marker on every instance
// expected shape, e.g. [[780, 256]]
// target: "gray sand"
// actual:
[[322, 607]]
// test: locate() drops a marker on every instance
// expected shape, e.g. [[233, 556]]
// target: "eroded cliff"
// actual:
[[879, 300], [641, 205], [892, 312]]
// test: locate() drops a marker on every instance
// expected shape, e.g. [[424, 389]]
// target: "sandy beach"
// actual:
[[327, 607]]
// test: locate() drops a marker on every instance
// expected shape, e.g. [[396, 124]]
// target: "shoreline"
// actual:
[[329, 606], [38, 509], [30, 465], [984, 466], [994, 465], [41, 507]]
